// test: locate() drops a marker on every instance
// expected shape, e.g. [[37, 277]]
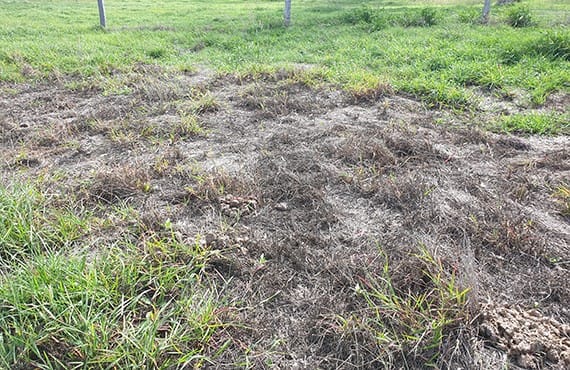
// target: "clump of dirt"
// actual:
[[529, 337], [301, 191]]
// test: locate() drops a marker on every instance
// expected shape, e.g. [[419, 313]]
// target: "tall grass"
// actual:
[[141, 303]]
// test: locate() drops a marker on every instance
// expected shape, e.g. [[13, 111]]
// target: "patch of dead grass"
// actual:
[[291, 240], [112, 184], [361, 95]]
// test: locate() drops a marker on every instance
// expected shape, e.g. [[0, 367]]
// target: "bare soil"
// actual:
[[299, 188]]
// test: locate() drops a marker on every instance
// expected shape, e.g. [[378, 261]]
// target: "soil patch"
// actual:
[[299, 189]]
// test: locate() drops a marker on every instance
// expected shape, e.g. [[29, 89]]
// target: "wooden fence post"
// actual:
[[102, 20]]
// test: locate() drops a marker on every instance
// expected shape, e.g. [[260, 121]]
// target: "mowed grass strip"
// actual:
[[436, 50]]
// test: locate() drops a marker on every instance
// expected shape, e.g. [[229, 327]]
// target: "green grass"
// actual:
[[141, 303], [28, 226], [535, 123], [121, 310], [519, 16], [411, 322], [429, 48]]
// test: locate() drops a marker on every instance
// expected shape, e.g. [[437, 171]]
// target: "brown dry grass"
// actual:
[[302, 192]]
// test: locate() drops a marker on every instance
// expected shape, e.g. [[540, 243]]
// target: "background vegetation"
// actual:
[[433, 49]]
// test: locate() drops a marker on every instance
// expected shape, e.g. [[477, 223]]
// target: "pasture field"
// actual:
[[384, 184], [356, 44]]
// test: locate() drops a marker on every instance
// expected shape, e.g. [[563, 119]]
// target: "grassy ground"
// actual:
[[197, 186], [438, 54]]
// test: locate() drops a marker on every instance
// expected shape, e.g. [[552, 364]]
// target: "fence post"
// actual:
[[486, 11], [102, 20], [287, 13]]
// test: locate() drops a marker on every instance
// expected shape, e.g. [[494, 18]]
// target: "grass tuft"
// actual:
[[469, 15], [205, 102], [535, 123], [187, 126], [412, 323], [554, 44], [562, 194], [519, 16], [29, 227]]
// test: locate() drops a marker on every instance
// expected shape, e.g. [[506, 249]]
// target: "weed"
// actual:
[[123, 136], [413, 323], [519, 16], [562, 194], [187, 126], [204, 102]]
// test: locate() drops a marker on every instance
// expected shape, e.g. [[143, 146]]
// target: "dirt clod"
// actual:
[[531, 339]]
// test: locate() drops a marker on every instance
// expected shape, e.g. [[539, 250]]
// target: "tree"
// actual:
[[287, 13], [102, 20], [486, 11]]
